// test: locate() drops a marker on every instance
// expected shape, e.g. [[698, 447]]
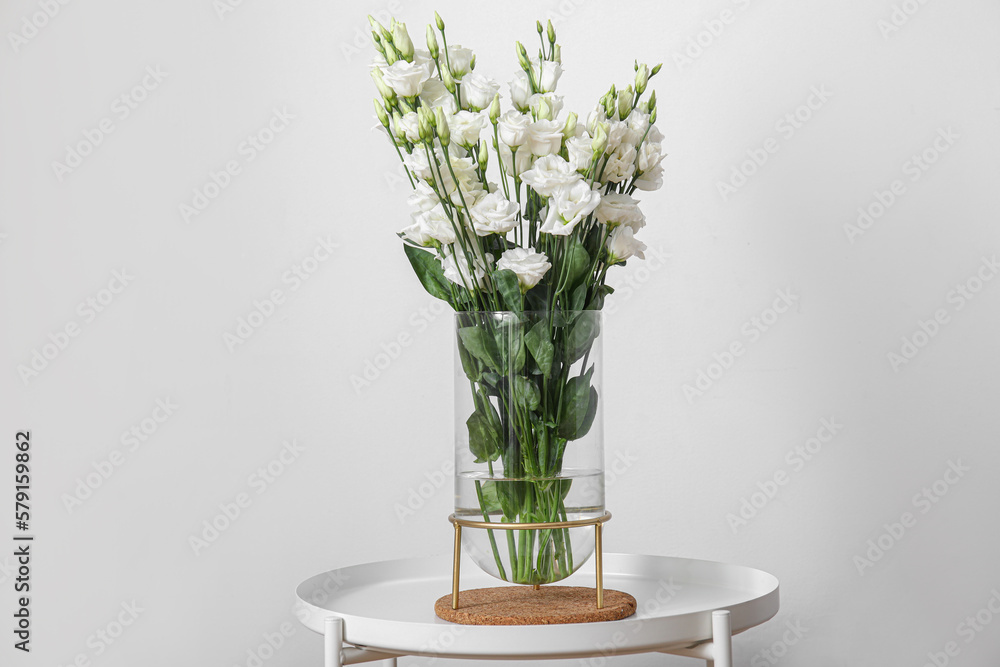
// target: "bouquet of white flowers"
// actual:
[[532, 231]]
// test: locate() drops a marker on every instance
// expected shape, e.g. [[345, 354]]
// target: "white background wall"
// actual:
[[683, 466]]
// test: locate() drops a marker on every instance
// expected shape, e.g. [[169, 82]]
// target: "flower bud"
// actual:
[[656, 70], [432, 43], [484, 155], [610, 105], [557, 53], [544, 110], [551, 33], [641, 78], [441, 123], [374, 24], [386, 35], [397, 126], [652, 116], [522, 57], [472, 62], [652, 101], [495, 109], [405, 106], [624, 103], [600, 141], [439, 21], [448, 79], [401, 39], [538, 27], [569, 129], [377, 41], [380, 112], [424, 125], [383, 88]]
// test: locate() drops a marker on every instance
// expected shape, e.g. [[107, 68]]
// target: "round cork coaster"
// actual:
[[523, 605]]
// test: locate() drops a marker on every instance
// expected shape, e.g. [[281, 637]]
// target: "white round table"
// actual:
[[685, 607]]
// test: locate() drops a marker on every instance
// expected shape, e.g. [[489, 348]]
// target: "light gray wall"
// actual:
[[683, 465]]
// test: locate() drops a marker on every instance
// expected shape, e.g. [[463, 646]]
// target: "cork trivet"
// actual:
[[523, 605]]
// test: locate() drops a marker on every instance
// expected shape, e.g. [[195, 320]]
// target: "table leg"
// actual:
[[333, 636], [722, 640]]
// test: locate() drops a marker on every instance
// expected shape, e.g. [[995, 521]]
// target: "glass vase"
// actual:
[[529, 442]]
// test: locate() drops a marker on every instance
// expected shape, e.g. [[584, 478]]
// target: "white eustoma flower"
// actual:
[[436, 224], [555, 102], [410, 127], [620, 165], [568, 206], [494, 214], [422, 57], [466, 126], [650, 154], [515, 160], [650, 180], [513, 128], [520, 90], [594, 117], [544, 137], [460, 60], [530, 266], [415, 233], [580, 151], [456, 267], [620, 209], [423, 197], [406, 79], [436, 95], [549, 75], [550, 173], [622, 244], [477, 91], [620, 134], [418, 164]]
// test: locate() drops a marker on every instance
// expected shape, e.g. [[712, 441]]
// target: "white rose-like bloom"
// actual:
[[650, 180], [423, 58], [466, 126], [415, 234], [513, 128], [621, 164], [581, 152], [530, 266], [406, 79], [520, 90], [431, 224], [620, 209], [549, 75], [477, 91], [550, 173], [460, 60], [650, 155], [410, 127], [555, 102], [568, 206], [436, 95], [620, 134], [456, 267], [596, 116], [418, 164], [545, 136], [515, 162], [423, 198], [493, 214], [622, 244]]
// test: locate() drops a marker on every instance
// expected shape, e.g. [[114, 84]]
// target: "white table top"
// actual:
[[389, 607]]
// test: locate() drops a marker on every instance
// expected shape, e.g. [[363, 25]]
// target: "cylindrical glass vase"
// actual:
[[529, 444]]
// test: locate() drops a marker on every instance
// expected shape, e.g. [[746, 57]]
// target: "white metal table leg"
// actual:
[[333, 636], [722, 640]]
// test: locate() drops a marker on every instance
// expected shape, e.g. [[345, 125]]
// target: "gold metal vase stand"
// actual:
[[596, 522]]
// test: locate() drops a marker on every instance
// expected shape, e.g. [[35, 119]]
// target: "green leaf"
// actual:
[[526, 393], [539, 343], [484, 442], [429, 272], [481, 346], [597, 301], [510, 345], [578, 264], [576, 302], [581, 337], [577, 398], [506, 283], [490, 501]]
